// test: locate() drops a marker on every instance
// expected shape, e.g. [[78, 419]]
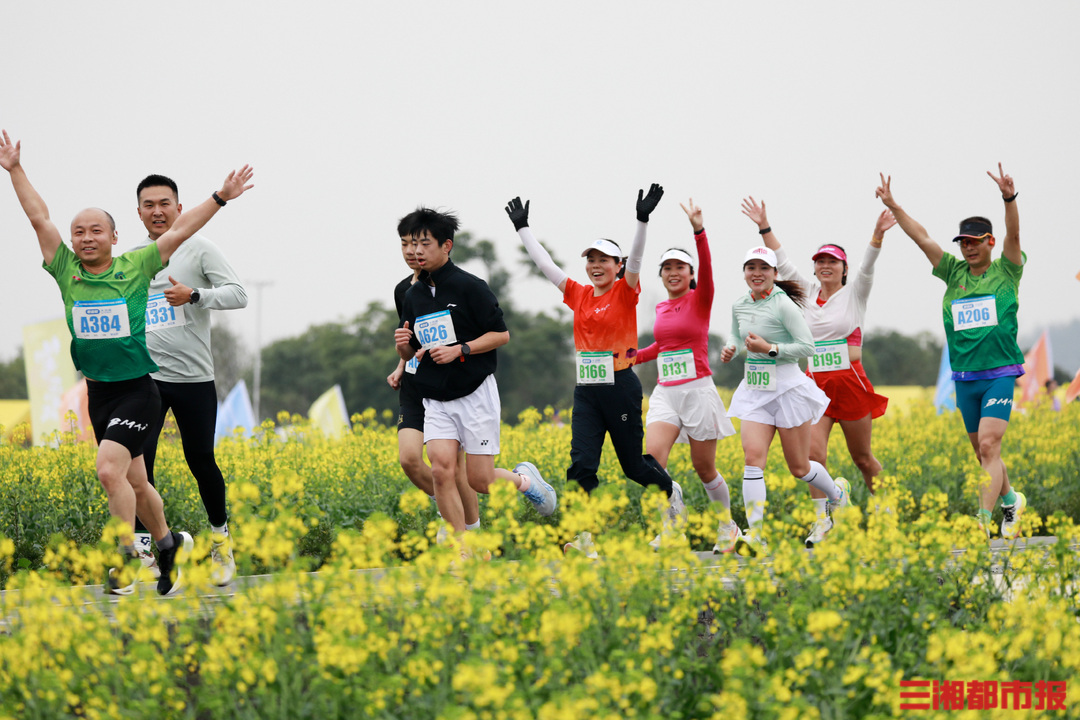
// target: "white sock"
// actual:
[[819, 477], [222, 530], [717, 490], [820, 506], [473, 526], [753, 491]]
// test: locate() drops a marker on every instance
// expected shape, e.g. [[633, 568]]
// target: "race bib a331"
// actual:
[[161, 315]]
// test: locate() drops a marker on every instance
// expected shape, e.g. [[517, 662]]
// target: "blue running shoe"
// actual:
[[540, 494]]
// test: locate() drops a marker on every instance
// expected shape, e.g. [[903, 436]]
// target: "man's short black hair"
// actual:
[[157, 181], [440, 225]]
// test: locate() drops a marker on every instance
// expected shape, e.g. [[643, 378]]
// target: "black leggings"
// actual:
[[194, 406], [615, 410]]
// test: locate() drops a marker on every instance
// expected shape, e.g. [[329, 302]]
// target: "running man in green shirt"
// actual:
[[105, 303], [979, 312]]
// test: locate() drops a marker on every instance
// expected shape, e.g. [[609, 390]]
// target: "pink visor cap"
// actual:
[[831, 251], [760, 253]]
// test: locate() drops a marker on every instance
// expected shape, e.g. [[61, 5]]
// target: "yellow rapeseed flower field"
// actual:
[[393, 626]]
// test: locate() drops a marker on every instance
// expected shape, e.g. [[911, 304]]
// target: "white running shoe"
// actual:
[[1010, 522], [123, 580], [540, 494], [845, 495], [727, 537], [442, 535], [221, 557], [144, 545], [583, 543], [676, 516], [819, 530], [754, 543]]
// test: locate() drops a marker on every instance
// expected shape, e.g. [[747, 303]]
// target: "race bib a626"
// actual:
[[435, 330]]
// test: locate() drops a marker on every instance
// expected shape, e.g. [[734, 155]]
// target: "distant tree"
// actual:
[[891, 358], [13, 379], [231, 359]]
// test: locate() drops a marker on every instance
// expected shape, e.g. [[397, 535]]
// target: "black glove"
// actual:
[[519, 214], [647, 204]]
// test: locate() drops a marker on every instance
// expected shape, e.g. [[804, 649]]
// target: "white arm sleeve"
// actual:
[[637, 250], [541, 258]]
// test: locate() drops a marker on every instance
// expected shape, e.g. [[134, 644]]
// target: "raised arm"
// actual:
[[703, 295], [519, 215], [914, 230], [645, 205], [786, 269], [189, 223], [38, 213], [1011, 247]]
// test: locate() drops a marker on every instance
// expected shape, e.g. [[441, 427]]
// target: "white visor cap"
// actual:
[[761, 253], [605, 246], [676, 254]]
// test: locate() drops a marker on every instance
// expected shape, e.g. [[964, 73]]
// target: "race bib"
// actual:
[[830, 355], [412, 365], [676, 365], [971, 313], [435, 330], [100, 319], [760, 374], [596, 368], [161, 315]]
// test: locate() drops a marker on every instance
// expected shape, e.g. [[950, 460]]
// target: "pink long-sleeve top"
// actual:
[[684, 322]]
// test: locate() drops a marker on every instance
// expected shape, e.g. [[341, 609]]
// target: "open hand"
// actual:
[[756, 212], [884, 222], [236, 183], [519, 214], [9, 152], [647, 203]]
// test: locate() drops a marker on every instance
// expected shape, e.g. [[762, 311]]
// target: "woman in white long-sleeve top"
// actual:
[[774, 395]]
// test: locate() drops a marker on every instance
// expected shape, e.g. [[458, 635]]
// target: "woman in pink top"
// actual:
[[835, 312], [685, 405]]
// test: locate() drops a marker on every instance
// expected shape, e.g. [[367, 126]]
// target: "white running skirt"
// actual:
[[796, 399], [694, 407]]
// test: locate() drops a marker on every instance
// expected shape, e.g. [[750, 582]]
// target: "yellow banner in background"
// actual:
[[49, 373]]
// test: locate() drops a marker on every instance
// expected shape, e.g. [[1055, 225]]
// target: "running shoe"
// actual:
[[819, 530], [124, 579], [1010, 522], [540, 494], [727, 537], [221, 557], [753, 542], [442, 534], [583, 543], [676, 515], [144, 545], [656, 541], [167, 584], [845, 495]]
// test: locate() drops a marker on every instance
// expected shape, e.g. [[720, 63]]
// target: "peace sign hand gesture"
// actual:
[[1004, 182], [694, 213]]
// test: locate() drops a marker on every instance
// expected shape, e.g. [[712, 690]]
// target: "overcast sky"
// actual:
[[354, 113]]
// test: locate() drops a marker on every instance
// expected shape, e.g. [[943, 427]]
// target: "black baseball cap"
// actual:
[[975, 228]]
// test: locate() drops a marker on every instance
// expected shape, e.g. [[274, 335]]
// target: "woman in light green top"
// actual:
[[774, 394]]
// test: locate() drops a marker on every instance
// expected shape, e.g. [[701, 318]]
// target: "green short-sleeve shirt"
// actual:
[[979, 312], [106, 313]]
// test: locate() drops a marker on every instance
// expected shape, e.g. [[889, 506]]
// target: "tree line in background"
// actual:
[[536, 368]]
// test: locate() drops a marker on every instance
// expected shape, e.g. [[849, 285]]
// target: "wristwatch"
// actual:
[[194, 297], [465, 349], [774, 351]]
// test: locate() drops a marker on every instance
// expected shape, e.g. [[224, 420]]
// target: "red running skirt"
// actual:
[[851, 393]]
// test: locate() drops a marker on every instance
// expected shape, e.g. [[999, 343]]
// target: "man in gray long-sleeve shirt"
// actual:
[[197, 280]]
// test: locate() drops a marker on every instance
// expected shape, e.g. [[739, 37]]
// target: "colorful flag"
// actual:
[[1073, 390], [235, 412], [328, 413], [1038, 368], [945, 395]]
